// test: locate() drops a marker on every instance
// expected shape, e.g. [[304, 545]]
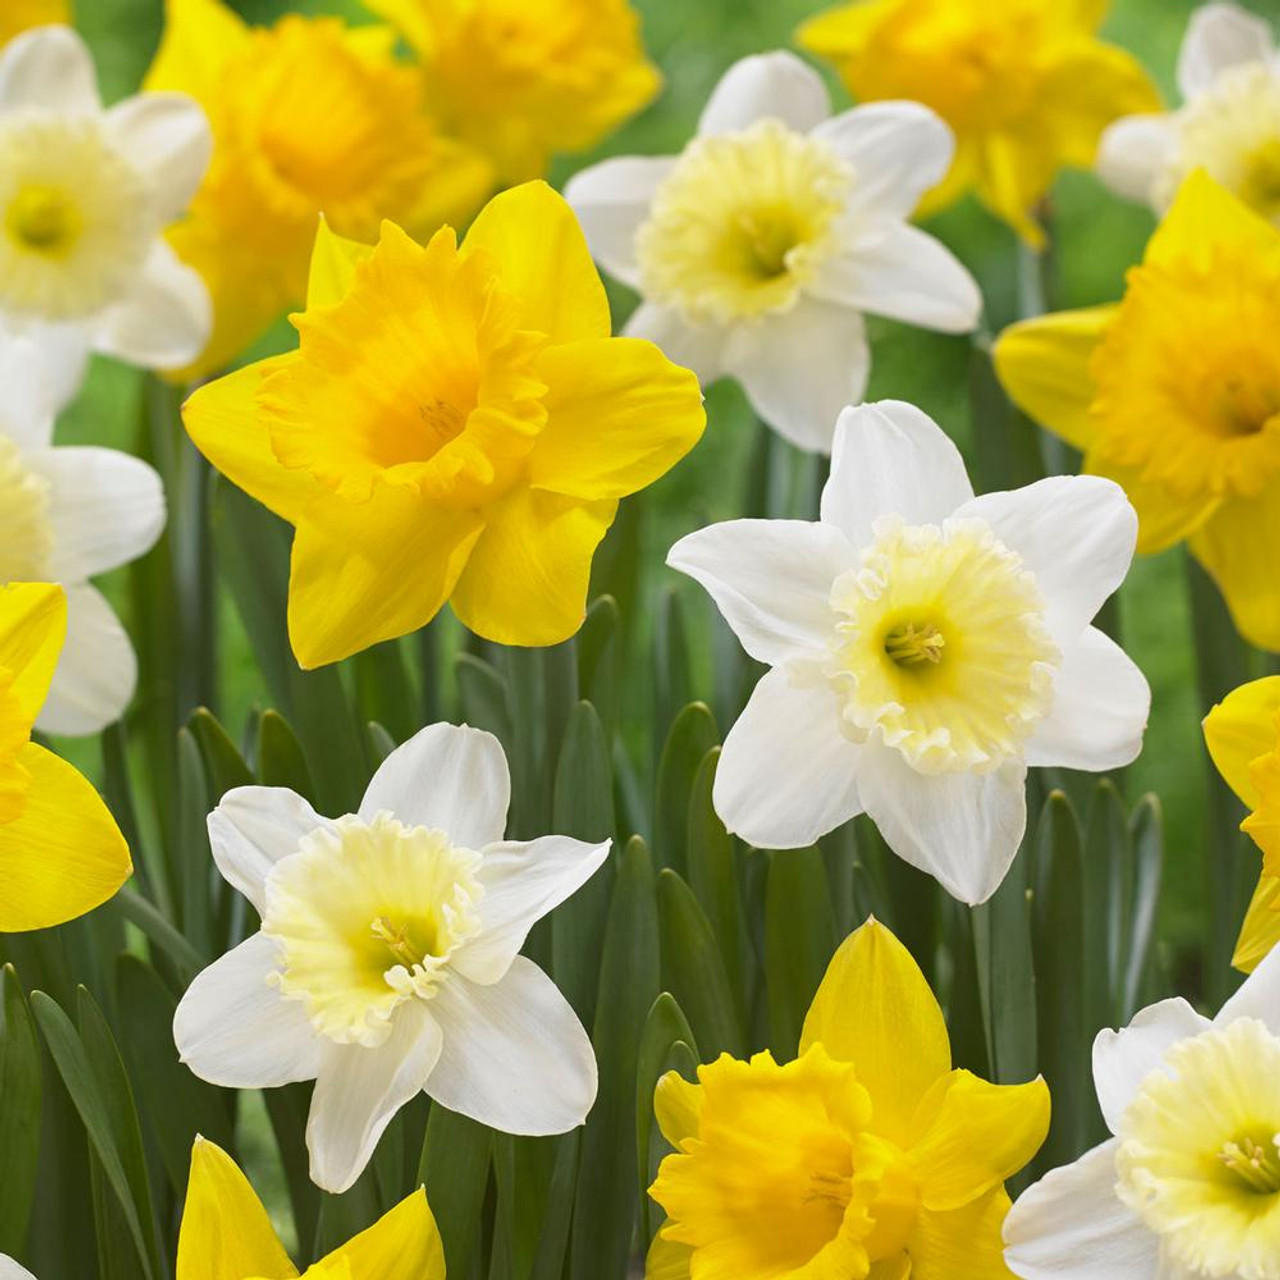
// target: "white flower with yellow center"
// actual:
[[1229, 74], [758, 249], [926, 646], [388, 959], [85, 195], [1188, 1186], [67, 514]]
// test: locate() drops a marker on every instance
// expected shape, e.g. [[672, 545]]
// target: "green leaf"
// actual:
[[281, 761], [600, 658], [20, 1104], [194, 862], [455, 1171], [553, 1244], [224, 766], [287, 1109], [384, 691], [138, 911], [673, 685], [1106, 875], [1146, 833], [485, 696], [692, 735]]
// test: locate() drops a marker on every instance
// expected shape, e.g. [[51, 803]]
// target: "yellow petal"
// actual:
[[1244, 726], [965, 1244], [370, 571], [534, 235], [668, 1260], [333, 265], [226, 1234], [677, 1103], [1261, 929], [1204, 215], [412, 18], [461, 180], [403, 1244], [1238, 548], [526, 581], [973, 1135], [1164, 518], [33, 625], [619, 415], [843, 31], [199, 36], [63, 855], [1012, 173], [1043, 364], [874, 1009]]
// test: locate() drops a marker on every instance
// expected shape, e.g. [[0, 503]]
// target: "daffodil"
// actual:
[[868, 1156], [1175, 394], [457, 424], [67, 514], [524, 80], [309, 116], [227, 1235], [61, 853], [925, 647], [19, 15], [1229, 73], [759, 248], [85, 194], [1243, 733], [388, 959], [1026, 85], [10, 1270], [1188, 1186]]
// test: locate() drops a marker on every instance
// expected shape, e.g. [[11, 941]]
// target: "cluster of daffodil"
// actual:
[[362, 923]]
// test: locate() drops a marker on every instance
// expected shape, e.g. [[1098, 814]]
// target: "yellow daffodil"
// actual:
[[308, 116], [526, 79], [1243, 733], [1175, 394], [61, 853], [226, 1234], [18, 15], [457, 424], [868, 1156], [1025, 84]]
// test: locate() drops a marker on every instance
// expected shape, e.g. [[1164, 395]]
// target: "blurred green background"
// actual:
[[1096, 239]]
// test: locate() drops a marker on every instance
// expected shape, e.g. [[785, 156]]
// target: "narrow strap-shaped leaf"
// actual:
[[20, 1102], [455, 1171]]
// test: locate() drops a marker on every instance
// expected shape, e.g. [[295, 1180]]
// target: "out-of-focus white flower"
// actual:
[[1229, 125], [66, 514], [388, 960], [1189, 1185], [760, 247], [10, 1270], [85, 195], [926, 646]]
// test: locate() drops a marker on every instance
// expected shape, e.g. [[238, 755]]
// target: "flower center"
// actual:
[[26, 538], [367, 916], [742, 223], [44, 219], [1255, 1163], [940, 646]]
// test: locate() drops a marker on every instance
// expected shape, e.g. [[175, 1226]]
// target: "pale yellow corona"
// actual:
[[26, 536]]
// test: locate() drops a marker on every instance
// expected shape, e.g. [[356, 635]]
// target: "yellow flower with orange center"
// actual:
[[1026, 86], [1175, 394]]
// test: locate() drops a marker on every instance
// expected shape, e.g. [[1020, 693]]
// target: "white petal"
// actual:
[[961, 828], [898, 151], [97, 670], [1122, 1060], [1133, 153], [233, 1027], [359, 1090], [1077, 534], [1101, 703], [106, 508], [10, 1270], [522, 882], [515, 1055], [166, 138], [896, 270], [891, 458], [49, 67], [252, 829], [1072, 1226], [700, 349], [787, 774], [1259, 997], [1220, 36], [612, 200], [447, 777], [777, 86], [64, 353], [26, 394], [165, 320], [800, 368], [771, 579]]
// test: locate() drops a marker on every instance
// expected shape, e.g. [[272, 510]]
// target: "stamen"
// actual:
[[910, 646], [1257, 1165], [397, 941], [831, 1187]]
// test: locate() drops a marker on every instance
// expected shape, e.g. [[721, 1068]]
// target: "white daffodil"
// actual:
[[1229, 74], [66, 514], [10, 1270], [388, 960], [926, 646], [759, 248], [1189, 1185], [85, 195]]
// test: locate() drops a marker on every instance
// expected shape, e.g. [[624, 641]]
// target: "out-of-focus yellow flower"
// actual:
[[1243, 733], [1025, 84], [309, 117], [18, 15], [457, 424], [868, 1155], [1175, 394], [226, 1234], [61, 853], [525, 79]]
